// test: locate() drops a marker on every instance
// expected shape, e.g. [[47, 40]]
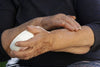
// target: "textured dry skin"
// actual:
[[23, 36], [10, 34], [65, 21], [60, 40], [74, 42], [61, 20], [36, 46]]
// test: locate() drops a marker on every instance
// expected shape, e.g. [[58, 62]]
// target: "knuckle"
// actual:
[[38, 18], [27, 27], [60, 16], [63, 23]]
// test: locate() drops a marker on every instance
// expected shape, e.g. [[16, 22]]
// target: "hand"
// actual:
[[56, 21], [57, 40], [10, 34], [60, 20], [37, 45]]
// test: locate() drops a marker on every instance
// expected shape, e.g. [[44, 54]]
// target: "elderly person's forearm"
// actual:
[[74, 42]]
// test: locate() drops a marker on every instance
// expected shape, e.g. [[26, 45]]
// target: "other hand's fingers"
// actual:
[[73, 17], [27, 43], [71, 21], [77, 24], [23, 54], [23, 48], [35, 29], [68, 19], [62, 23]]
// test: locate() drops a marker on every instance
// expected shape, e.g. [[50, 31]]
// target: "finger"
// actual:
[[23, 54], [31, 52], [23, 48], [27, 43], [65, 25], [77, 24], [37, 51], [35, 29], [69, 27], [69, 20], [62, 23]]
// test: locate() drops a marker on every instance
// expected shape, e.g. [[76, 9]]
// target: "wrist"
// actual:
[[74, 42], [85, 37], [63, 39]]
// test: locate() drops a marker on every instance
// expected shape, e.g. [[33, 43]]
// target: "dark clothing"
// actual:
[[16, 12]]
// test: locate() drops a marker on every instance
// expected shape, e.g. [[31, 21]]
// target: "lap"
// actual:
[[85, 64], [13, 63]]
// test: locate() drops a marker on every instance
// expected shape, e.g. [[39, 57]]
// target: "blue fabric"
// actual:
[[88, 12], [85, 64]]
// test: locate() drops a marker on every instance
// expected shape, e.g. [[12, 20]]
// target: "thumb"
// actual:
[[35, 29]]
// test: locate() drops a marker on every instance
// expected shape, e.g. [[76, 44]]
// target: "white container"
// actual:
[[23, 36]]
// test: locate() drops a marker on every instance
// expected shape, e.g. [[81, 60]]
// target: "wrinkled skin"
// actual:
[[49, 22]]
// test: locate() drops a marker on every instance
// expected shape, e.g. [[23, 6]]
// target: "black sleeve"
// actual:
[[89, 14], [7, 20]]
